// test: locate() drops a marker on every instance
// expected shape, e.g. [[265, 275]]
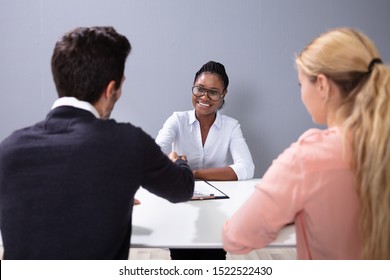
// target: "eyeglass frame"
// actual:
[[206, 91]]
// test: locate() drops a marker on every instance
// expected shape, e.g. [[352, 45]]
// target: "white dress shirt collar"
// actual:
[[74, 102], [192, 118]]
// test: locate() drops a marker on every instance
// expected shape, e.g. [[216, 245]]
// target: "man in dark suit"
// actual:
[[67, 183]]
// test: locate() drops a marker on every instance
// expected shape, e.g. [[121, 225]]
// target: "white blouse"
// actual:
[[181, 133]]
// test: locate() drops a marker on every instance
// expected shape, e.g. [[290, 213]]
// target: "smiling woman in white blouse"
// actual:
[[206, 137]]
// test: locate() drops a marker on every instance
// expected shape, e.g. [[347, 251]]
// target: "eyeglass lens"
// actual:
[[211, 94]]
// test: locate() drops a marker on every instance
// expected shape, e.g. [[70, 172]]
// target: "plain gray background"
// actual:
[[255, 39]]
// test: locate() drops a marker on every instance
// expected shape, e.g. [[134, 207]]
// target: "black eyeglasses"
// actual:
[[213, 95]]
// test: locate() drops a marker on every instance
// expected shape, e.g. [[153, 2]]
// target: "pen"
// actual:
[[204, 196]]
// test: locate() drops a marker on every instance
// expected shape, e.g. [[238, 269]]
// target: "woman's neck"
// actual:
[[206, 121]]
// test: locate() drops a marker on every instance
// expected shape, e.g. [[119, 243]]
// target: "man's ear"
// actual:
[[110, 90]]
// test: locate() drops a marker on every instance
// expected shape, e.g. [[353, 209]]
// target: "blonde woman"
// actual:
[[333, 183]]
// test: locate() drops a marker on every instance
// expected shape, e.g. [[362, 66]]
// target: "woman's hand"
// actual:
[[174, 157], [136, 202]]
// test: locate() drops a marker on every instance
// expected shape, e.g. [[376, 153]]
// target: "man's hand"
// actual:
[[174, 157]]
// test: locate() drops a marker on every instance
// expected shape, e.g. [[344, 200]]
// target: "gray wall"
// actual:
[[255, 40]]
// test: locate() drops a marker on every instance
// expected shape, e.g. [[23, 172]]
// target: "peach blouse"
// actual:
[[311, 184]]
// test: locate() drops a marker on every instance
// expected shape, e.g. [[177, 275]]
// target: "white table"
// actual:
[[158, 223]]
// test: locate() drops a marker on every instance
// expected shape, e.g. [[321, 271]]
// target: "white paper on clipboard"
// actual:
[[204, 190]]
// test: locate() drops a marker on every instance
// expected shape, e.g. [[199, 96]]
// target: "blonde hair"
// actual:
[[351, 60]]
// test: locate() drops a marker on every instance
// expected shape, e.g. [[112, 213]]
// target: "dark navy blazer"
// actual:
[[67, 186]]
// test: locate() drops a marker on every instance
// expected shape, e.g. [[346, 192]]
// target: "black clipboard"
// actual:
[[205, 191]]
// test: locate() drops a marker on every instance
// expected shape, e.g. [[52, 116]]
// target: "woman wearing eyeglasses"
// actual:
[[205, 136]]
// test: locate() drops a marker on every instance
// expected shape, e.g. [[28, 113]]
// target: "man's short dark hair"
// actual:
[[85, 60]]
